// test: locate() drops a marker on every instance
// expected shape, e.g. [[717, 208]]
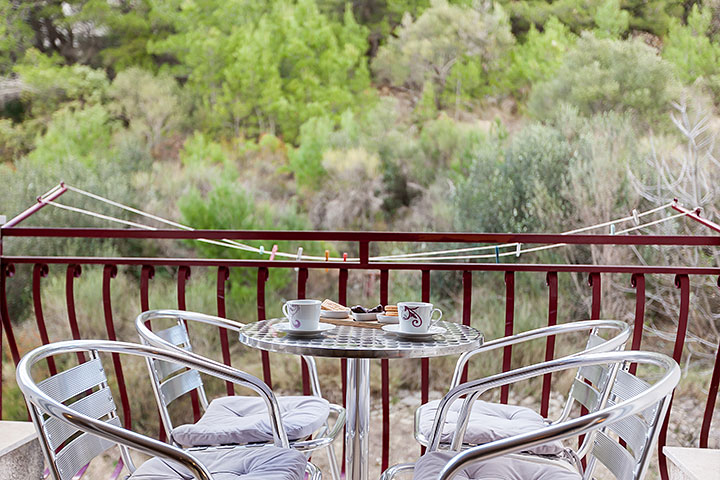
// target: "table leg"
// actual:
[[357, 444]]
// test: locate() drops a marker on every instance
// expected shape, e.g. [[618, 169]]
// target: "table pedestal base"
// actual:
[[357, 442]]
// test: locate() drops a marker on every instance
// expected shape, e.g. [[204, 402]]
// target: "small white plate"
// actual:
[[364, 317], [388, 318], [335, 313], [395, 329], [285, 327]]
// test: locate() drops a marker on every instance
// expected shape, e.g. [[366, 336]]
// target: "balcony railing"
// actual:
[[636, 278]]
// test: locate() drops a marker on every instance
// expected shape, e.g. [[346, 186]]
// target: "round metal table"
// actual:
[[359, 345]]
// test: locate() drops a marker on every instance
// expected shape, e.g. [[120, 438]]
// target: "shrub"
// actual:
[[691, 51], [498, 193], [445, 38], [611, 20], [148, 103], [272, 70], [536, 59], [602, 75]]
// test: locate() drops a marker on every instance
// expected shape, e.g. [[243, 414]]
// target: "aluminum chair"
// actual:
[[169, 385], [76, 420], [491, 421], [625, 430]]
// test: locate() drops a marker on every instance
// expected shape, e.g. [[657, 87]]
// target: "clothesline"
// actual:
[[433, 255]]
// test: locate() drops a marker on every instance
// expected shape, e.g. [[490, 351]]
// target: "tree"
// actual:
[[274, 68], [691, 51], [611, 20], [442, 37], [603, 75], [148, 103]]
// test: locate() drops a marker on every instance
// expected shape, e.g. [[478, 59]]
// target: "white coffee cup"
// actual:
[[416, 317], [303, 314]]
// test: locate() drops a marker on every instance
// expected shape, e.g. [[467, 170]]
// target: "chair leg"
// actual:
[[332, 460]]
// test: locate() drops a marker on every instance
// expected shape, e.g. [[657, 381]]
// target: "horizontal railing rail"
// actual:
[[636, 279]]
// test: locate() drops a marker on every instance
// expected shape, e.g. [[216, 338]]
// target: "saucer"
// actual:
[[286, 328], [395, 329], [387, 318], [364, 317]]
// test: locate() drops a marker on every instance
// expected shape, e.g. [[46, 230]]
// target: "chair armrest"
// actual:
[[657, 394], [186, 315], [616, 342], [475, 388], [176, 355]]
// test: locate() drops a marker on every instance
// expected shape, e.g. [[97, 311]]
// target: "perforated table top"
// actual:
[[357, 342]]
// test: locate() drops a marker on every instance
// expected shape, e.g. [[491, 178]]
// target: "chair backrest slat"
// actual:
[[97, 405], [616, 458], [585, 394], [179, 385], [80, 451], [633, 431], [597, 374], [74, 381], [628, 385]]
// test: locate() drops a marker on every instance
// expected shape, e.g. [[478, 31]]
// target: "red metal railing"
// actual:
[[224, 267]]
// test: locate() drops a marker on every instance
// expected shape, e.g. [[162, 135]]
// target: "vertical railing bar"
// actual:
[[183, 276], [41, 270], [509, 327], [683, 283], [223, 274], [466, 311], [262, 277], [342, 300], [712, 396], [425, 362], [7, 270], [110, 272], [637, 281], [301, 286], [385, 380], [73, 271], [595, 282], [551, 280], [147, 272]]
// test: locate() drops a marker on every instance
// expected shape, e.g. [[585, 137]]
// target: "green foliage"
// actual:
[[15, 33], [49, 83], [651, 16], [274, 69], [602, 75], [498, 194], [148, 103], [229, 206], [611, 20], [443, 38], [693, 54], [83, 135], [536, 59]]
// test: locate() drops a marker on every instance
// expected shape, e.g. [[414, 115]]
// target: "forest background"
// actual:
[[417, 115]]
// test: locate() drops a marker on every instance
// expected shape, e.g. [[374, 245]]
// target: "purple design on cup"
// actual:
[[295, 323], [411, 313]]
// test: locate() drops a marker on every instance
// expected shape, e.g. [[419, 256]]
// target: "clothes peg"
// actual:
[[262, 250], [636, 217], [612, 229], [273, 252], [497, 255], [518, 248], [299, 257], [344, 257], [327, 257]]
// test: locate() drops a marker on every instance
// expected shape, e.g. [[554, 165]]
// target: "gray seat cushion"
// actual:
[[488, 422], [239, 420], [503, 468], [267, 463]]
